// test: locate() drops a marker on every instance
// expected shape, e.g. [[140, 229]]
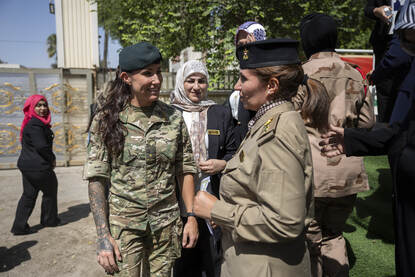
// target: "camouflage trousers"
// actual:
[[326, 244], [146, 253]]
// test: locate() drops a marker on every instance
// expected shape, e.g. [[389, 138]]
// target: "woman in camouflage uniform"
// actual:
[[142, 146]]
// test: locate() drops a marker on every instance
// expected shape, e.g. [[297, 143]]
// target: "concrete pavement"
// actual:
[[66, 250]]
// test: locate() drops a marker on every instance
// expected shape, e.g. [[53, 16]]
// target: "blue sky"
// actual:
[[25, 26]]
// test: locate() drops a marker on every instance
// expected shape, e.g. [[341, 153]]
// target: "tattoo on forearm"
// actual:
[[98, 204], [103, 244]]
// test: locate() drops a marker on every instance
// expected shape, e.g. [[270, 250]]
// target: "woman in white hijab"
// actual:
[[211, 132]]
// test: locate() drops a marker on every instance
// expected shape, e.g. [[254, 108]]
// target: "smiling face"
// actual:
[[253, 90], [195, 87], [42, 109], [145, 84]]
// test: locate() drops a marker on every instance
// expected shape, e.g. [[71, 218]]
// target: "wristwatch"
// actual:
[[190, 214]]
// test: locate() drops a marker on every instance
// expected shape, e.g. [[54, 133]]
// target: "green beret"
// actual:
[[138, 56]]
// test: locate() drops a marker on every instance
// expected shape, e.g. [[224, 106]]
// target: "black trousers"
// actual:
[[205, 257], [33, 182], [404, 212]]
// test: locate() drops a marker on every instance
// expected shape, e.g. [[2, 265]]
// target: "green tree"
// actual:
[[51, 43], [209, 26]]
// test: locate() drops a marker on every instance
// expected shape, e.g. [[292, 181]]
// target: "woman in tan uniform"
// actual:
[[266, 189]]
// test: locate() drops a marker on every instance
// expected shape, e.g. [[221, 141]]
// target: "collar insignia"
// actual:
[[266, 125]]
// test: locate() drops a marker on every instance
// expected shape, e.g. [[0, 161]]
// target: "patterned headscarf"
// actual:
[[178, 98], [253, 28], [259, 33], [29, 112]]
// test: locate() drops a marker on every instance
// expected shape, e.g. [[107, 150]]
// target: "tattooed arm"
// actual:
[[106, 245]]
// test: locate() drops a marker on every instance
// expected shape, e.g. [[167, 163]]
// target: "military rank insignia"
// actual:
[[245, 56], [266, 125]]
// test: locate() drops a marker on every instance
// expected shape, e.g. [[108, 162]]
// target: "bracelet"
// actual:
[[190, 214]]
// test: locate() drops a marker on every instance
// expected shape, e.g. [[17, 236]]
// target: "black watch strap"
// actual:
[[190, 214]]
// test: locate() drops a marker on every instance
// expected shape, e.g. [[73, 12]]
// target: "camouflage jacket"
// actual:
[[143, 179], [349, 107]]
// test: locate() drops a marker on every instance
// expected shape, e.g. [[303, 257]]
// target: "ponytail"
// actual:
[[315, 105]]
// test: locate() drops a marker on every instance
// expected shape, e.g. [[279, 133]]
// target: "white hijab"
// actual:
[[178, 96]]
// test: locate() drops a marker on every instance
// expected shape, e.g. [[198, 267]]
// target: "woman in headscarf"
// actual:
[[266, 194], [210, 128], [249, 31], [36, 163]]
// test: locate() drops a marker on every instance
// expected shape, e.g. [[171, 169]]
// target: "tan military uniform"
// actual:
[[143, 209], [336, 180], [266, 199]]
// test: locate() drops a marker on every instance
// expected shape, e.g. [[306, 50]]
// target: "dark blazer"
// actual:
[[379, 37], [395, 63], [222, 146], [37, 145], [241, 125], [406, 96], [400, 67]]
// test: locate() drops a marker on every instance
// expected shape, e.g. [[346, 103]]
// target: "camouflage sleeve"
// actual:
[[97, 163], [185, 163]]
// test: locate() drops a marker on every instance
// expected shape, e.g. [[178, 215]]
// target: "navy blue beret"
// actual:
[[138, 56], [270, 52]]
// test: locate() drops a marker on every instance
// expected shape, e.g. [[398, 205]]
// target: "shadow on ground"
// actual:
[[14, 256], [350, 253], [73, 214], [379, 207]]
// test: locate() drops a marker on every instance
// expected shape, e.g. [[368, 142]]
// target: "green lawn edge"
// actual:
[[369, 229]]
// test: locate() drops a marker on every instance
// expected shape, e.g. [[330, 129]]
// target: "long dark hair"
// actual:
[[316, 103], [110, 104]]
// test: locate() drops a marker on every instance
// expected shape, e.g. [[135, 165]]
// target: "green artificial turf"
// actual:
[[369, 230]]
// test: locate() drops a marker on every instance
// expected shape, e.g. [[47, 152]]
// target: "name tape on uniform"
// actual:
[[213, 132]]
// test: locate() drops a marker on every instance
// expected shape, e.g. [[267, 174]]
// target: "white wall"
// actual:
[[76, 34]]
